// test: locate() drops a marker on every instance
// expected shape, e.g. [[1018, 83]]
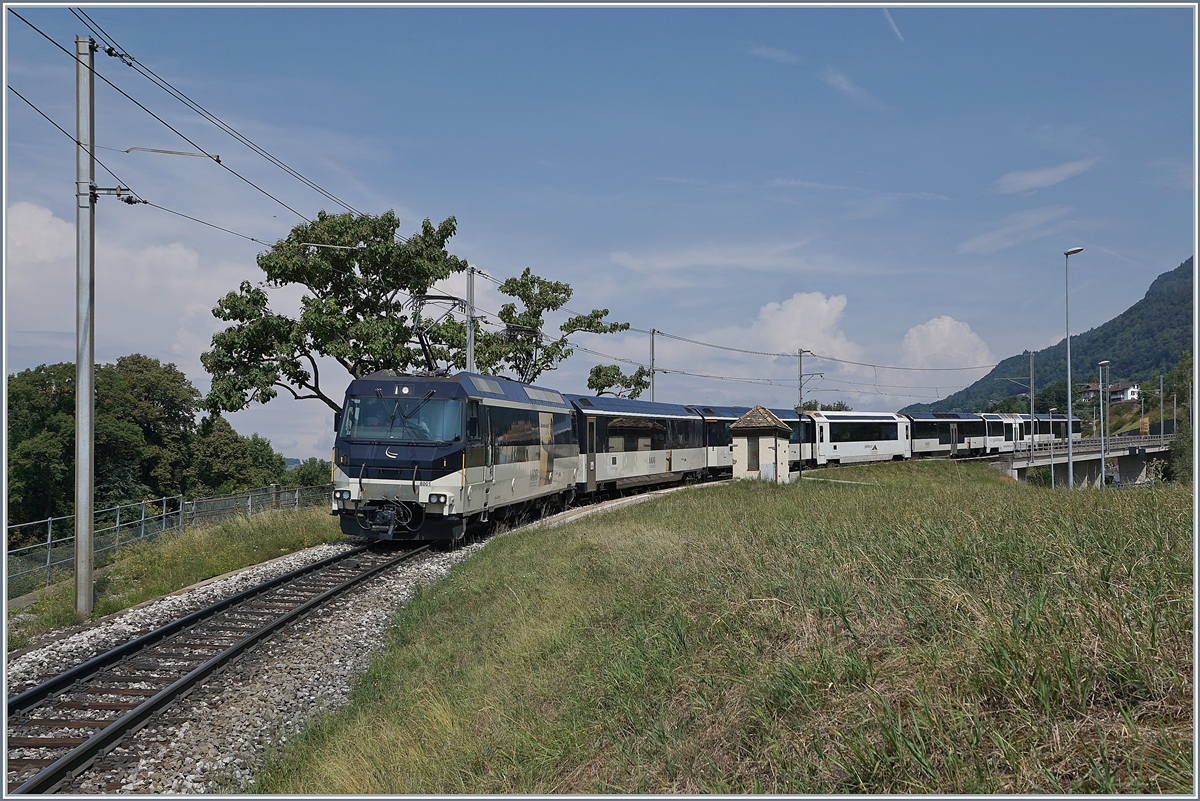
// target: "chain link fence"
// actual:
[[51, 556]]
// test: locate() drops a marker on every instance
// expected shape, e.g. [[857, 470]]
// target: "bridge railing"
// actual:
[[1113, 446], [52, 556]]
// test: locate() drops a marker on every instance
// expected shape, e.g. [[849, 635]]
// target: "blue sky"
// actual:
[[886, 188]]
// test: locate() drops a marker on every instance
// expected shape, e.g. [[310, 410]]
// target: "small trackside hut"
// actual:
[[760, 446]]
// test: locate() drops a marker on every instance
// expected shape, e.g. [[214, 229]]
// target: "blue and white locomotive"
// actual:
[[419, 458]]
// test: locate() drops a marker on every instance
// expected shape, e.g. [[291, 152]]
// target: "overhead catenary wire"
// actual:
[[170, 127], [132, 62], [121, 183], [65, 133]]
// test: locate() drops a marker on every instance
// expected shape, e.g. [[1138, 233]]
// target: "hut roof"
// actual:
[[760, 419]]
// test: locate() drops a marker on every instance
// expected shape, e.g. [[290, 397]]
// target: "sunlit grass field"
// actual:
[[147, 570], [942, 630]]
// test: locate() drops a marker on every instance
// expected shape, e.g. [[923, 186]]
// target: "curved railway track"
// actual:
[[59, 727]]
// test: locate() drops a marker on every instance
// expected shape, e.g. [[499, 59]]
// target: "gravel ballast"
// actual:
[[215, 739]]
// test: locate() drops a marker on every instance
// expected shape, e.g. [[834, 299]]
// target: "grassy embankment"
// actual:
[[945, 630], [148, 570]]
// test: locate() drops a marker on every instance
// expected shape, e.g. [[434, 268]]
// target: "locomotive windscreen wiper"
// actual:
[[403, 414]]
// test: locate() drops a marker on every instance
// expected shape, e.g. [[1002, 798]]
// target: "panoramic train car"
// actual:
[[801, 444], [846, 437], [718, 440], [630, 443], [419, 457], [948, 434], [1005, 432], [1055, 429]]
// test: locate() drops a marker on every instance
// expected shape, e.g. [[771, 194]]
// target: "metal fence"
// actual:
[[52, 556]]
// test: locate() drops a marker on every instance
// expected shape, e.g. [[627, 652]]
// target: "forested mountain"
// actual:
[[1141, 342]]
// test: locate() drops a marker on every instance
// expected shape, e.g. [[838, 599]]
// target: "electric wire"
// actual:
[[121, 183], [73, 139], [153, 77], [160, 119]]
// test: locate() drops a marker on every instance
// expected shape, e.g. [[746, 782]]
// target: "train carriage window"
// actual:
[[925, 430], [685, 434], [602, 435], [1008, 432], [564, 430], [1076, 426], [631, 434], [718, 434], [862, 432], [995, 428]]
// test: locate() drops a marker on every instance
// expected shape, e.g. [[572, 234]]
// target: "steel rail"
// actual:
[[78, 759], [27, 698]]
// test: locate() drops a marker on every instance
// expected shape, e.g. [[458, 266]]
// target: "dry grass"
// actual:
[[944, 631]]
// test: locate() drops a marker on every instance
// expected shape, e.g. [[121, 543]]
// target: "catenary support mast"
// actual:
[[85, 305]]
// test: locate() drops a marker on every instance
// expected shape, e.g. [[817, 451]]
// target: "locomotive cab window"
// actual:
[[403, 419]]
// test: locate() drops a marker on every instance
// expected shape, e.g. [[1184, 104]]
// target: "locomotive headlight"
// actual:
[[437, 498], [341, 495]]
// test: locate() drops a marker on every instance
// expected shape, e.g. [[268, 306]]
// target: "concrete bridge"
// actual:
[[1132, 454]]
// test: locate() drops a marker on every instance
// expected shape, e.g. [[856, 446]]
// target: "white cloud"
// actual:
[[806, 319], [944, 342], [1029, 180], [842, 83], [1019, 227], [37, 237], [774, 54]]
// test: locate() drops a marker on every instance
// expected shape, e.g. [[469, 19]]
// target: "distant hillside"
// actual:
[[1142, 341]]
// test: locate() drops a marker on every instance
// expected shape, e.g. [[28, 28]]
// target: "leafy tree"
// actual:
[[353, 309], [221, 458], [41, 437], [266, 466], [163, 404], [311, 472], [604, 377], [836, 406], [118, 444], [523, 349], [41, 443], [1178, 382]]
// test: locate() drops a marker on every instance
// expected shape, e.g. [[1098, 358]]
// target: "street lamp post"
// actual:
[[1103, 423], [1053, 409], [1067, 298]]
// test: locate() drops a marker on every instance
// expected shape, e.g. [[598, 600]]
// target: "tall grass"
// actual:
[[920, 635], [149, 569]]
